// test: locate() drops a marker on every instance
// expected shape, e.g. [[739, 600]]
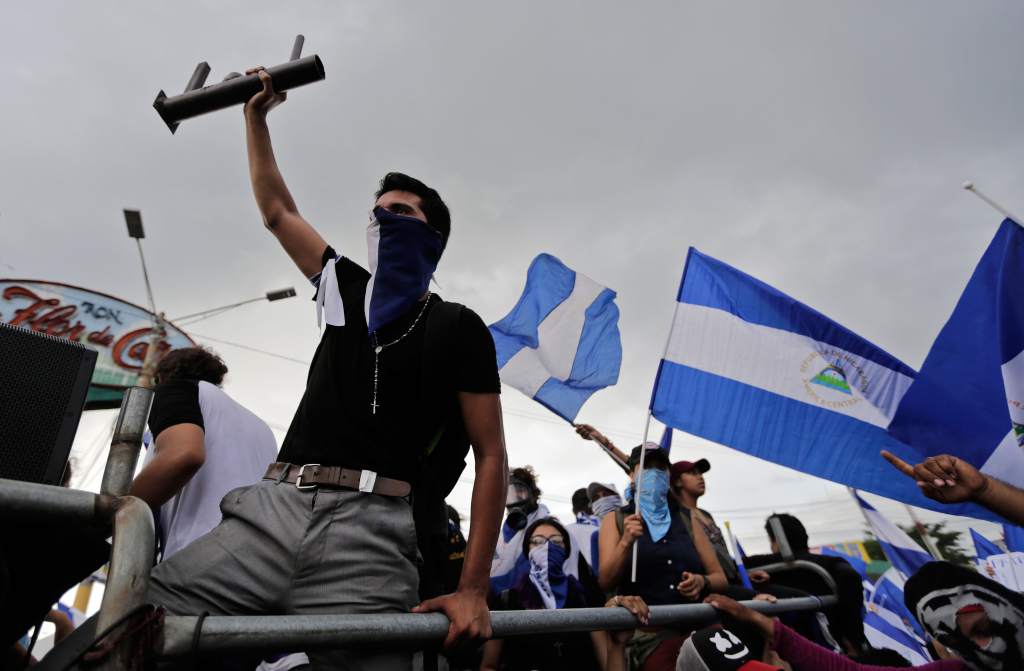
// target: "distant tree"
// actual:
[[946, 541]]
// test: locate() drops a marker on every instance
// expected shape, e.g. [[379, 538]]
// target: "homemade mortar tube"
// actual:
[[236, 91]]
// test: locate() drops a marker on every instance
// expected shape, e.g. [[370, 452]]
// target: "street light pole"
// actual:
[[133, 219]]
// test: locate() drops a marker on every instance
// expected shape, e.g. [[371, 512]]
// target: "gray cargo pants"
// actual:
[[282, 550]]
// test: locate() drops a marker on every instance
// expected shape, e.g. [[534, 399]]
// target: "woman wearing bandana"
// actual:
[[674, 566], [330, 527], [547, 546]]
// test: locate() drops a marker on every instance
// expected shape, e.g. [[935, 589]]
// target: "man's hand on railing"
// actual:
[[468, 613], [742, 613]]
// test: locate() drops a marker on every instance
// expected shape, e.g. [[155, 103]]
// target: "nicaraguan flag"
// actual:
[[1014, 538], [886, 629], [749, 367], [887, 594], [968, 399], [906, 555], [560, 343], [1006, 568], [666, 440], [983, 547]]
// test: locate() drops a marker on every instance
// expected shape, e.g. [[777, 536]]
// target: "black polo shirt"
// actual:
[[334, 424]]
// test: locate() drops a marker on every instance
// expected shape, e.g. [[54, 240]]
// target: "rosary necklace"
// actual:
[[380, 348]]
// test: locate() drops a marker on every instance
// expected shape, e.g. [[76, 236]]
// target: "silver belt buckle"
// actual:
[[367, 480], [298, 480]]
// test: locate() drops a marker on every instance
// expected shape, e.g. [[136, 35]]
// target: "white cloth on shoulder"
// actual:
[[328, 297]]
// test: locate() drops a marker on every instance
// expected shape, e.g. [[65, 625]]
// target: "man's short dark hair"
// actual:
[[432, 205], [191, 363], [794, 529], [580, 501], [526, 475]]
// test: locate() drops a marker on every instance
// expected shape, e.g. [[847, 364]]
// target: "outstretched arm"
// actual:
[[280, 214], [588, 432], [467, 607], [947, 479]]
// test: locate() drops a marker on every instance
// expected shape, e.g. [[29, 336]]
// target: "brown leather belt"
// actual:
[[309, 476]]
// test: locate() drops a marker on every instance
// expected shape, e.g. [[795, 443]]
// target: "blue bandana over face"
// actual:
[[653, 502], [548, 576], [403, 255]]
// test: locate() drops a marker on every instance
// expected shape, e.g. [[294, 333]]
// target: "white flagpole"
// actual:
[[636, 487], [643, 450], [923, 532], [993, 204]]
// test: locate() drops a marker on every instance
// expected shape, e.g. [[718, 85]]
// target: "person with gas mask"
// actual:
[[401, 386], [675, 565], [545, 547], [522, 502]]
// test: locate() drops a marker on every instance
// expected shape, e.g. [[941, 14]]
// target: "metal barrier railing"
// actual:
[[318, 632], [131, 522]]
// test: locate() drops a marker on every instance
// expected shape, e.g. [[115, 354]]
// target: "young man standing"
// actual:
[[330, 529]]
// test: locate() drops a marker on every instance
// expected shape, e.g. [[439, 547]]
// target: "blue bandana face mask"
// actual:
[[403, 255], [606, 504], [653, 502], [547, 574]]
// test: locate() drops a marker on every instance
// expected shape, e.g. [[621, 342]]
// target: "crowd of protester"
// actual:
[[352, 518]]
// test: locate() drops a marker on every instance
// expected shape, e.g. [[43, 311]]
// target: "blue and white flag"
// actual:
[[666, 440], [1013, 536], [751, 368], [1006, 568], [560, 343], [887, 594], [906, 555], [983, 547], [968, 399], [886, 629]]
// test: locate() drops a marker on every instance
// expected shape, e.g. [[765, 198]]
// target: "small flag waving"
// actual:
[[666, 440], [1014, 537], [1003, 567], [968, 399], [738, 556], [560, 343], [751, 368], [906, 555]]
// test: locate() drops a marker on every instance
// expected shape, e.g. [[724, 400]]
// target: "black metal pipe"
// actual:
[[286, 76], [297, 48], [198, 77]]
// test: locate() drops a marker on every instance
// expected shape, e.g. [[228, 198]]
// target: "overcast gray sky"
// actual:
[[817, 146]]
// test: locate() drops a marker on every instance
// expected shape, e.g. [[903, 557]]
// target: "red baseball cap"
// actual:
[[680, 467]]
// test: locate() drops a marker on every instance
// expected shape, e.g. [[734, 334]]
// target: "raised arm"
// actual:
[[467, 607], [948, 479], [280, 214], [587, 432]]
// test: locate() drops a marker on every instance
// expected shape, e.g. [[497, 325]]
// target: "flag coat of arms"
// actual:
[[968, 399], [749, 367]]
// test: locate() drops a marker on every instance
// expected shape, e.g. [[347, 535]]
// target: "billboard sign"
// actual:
[[119, 331]]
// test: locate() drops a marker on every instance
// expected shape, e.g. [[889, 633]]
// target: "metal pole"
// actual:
[[29, 502], [147, 377], [636, 488], [314, 632], [131, 559], [127, 441], [993, 204], [925, 537], [779, 534]]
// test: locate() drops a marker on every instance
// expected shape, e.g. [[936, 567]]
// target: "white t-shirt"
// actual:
[[238, 445]]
